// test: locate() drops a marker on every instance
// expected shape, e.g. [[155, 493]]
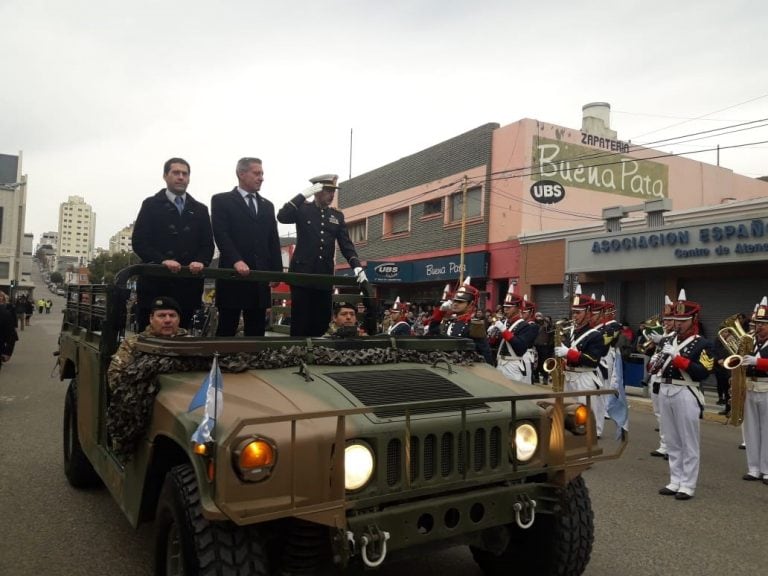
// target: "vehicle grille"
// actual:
[[445, 455], [377, 387]]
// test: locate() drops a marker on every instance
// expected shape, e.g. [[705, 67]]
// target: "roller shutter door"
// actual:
[[721, 298], [550, 302]]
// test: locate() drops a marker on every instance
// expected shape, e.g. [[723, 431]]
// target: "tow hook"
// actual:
[[373, 546], [525, 511]]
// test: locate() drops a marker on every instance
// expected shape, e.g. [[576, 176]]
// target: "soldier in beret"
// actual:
[[344, 324], [319, 227], [164, 318]]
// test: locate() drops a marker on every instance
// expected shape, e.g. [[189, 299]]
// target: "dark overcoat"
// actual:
[[161, 233], [252, 239]]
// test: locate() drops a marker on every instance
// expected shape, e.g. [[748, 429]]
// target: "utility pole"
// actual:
[[463, 228]]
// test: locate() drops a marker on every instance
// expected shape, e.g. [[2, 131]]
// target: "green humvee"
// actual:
[[328, 454]]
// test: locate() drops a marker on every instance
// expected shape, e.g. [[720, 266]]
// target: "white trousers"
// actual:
[[578, 381], [755, 430], [657, 412], [518, 369], [680, 420]]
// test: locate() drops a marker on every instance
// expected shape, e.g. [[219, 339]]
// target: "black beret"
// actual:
[[165, 303]]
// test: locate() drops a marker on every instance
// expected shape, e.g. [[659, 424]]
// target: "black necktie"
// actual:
[[251, 204]]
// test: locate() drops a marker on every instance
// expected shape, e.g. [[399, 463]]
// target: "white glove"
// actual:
[[445, 306], [312, 190], [656, 337], [561, 351], [500, 326], [360, 275], [668, 349], [749, 360]]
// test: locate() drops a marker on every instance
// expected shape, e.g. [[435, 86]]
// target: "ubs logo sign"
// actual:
[[387, 270], [547, 191]]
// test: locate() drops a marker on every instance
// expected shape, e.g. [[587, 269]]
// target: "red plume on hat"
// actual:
[[685, 309]]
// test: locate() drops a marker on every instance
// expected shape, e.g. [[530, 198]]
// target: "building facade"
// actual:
[[121, 241], [460, 208], [718, 254], [13, 205], [77, 226]]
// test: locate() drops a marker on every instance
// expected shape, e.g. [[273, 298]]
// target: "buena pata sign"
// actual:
[[575, 166], [735, 241]]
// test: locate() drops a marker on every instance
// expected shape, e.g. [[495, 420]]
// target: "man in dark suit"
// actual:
[[318, 228], [172, 229], [246, 233]]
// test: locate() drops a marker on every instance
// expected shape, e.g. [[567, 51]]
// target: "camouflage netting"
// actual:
[[134, 390]]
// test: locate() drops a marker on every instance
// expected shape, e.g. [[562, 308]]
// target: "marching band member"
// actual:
[[654, 380], [687, 361], [605, 322], [459, 312], [518, 331], [582, 350], [397, 315], [755, 425]]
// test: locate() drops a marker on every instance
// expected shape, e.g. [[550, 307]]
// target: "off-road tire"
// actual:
[[188, 544], [77, 467], [556, 545]]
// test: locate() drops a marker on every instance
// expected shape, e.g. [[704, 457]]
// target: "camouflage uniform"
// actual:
[[126, 355]]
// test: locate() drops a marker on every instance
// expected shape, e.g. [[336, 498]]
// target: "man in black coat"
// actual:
[[246, 233], [172, 229], [318, 228]]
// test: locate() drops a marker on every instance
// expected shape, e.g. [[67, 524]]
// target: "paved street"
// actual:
[[49, 528]]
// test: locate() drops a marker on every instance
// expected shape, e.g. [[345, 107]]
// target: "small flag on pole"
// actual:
[[616, 406], [210, 396]]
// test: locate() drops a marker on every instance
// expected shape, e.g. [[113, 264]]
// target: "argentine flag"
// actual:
[[616, 406], [210, 396]]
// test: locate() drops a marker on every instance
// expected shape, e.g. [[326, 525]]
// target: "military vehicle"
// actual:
[[328, 454]]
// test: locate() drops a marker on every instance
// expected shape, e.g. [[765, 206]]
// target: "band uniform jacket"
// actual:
[[317, 232], [242, 236], [523, 337], [757, 376], [161, 233], [697, 361], [591, 347]]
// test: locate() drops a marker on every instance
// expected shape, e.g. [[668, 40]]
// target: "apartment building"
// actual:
[[121, 241], [77, 227]]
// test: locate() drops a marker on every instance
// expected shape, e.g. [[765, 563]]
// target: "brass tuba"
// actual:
[[738, 342]]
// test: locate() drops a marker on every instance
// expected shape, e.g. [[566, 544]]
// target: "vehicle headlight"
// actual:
[[358, 466], [526, 442], [254, 458]]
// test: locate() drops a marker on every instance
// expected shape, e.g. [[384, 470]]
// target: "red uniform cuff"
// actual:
[[681, 363], [573, 356], [507, 335], [762, 365]]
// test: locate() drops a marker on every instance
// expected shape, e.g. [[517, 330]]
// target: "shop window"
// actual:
[[474, 204], [433, 207], [358, 231], [397, 222]]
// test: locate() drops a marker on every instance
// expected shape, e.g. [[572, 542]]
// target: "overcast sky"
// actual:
[[99, 93]]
